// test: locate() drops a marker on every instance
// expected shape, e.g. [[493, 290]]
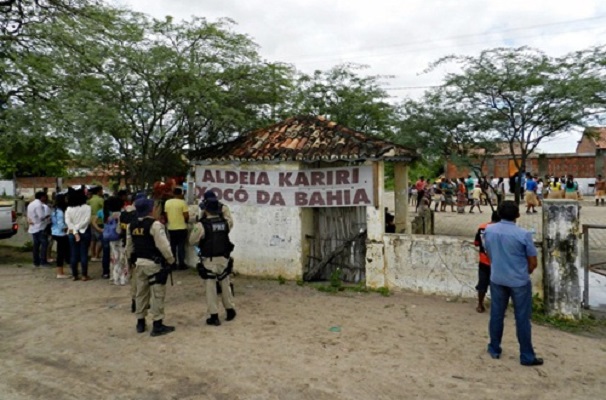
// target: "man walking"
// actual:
[[38, 218], [146, 246], [177, 215], [513, 257]]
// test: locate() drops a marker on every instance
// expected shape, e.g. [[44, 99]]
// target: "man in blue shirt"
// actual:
[[513, 257]]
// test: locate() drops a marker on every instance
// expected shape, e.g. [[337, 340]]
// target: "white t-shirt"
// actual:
[[77, 219]]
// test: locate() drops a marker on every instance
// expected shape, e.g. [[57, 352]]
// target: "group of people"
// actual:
[[138, 241], [459, 193], [464, 192]]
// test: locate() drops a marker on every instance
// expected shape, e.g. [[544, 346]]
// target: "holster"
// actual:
[[205, 273], [227, 271], [159, 278]]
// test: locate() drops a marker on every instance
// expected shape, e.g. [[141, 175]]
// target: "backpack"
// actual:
[[110, 231]]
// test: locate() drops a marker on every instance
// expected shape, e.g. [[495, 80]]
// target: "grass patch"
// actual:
[[586, 324], [335, 285]]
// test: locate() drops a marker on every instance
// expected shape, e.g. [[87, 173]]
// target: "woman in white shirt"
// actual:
[[77, 219]]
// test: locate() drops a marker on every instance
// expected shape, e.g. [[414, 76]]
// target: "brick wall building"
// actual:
[[588, 161]]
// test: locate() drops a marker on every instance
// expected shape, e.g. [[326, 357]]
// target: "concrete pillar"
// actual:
[[543, 165], [375, 228], [401, 197], [561, 258], [599, 162]]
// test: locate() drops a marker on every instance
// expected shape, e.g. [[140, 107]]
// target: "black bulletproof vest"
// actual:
[[143, 241], [215, 242], [126, 217]]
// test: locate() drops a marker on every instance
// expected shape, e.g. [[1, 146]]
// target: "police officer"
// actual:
[[147, 246], [215, 249]]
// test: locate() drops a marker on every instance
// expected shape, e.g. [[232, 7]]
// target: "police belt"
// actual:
[[208, 274]]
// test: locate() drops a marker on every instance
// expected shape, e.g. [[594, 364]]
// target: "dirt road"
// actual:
[[77, 340]]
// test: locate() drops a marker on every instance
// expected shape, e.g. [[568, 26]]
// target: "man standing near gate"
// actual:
[[513, 257]]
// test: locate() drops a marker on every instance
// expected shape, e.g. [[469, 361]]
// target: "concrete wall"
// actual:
[[435, 265], [270, 241], [7, 188]]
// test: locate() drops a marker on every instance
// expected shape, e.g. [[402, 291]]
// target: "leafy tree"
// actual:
[[138, 93], [344, 96], [33, 156], [519, 96]]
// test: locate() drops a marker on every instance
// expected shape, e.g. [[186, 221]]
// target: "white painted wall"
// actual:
[[7, 187], [269, 240], [436, 265]]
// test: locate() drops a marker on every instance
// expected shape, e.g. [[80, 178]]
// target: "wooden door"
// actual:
[[339, 241]]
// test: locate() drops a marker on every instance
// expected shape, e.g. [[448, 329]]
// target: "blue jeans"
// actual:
[[40, 240], [105, 257], [522, 306], [79, 252]]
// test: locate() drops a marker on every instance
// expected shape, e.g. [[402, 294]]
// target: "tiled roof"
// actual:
[[305, 138], [598, 135]]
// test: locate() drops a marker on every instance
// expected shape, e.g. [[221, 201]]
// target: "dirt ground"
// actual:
[[76, 340]]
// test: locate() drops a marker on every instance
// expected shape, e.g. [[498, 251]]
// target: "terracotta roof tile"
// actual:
[[305, 138]]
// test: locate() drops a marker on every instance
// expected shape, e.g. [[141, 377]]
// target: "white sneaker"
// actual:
[[62, 276]]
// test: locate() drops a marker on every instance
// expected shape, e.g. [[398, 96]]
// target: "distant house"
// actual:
[[592, 141]]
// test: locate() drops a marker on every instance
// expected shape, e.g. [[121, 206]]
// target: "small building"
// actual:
[[307, 197]]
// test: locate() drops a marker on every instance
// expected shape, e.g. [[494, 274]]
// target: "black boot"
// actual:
[[133, 306], [161, 329], [213, 320], [231, 314], [141, 325], [597, 201]]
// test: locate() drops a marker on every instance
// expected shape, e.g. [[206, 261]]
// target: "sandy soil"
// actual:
[[77, 340]]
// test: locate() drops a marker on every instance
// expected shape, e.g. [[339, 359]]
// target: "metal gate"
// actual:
[[589, 264], [339, 241]]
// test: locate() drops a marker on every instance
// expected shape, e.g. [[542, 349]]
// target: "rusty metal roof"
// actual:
[[307, 139]]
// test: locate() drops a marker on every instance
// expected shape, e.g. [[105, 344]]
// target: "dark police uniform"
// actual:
[[147, 242]]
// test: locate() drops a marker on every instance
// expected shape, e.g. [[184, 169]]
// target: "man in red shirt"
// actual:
[[484, 264], [420, 186]]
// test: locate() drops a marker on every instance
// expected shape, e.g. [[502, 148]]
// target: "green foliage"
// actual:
[[27, 247], [281, 280], [27, 155], [335, 278], [336, 285], [344, 96]]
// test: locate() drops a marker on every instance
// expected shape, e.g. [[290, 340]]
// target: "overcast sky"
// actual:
[[399, 37]]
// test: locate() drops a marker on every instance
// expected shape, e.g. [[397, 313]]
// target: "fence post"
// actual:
[[586, 266], [561, 258]]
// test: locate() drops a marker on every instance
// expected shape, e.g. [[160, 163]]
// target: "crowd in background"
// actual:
[[86, 226], [446, 193]]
